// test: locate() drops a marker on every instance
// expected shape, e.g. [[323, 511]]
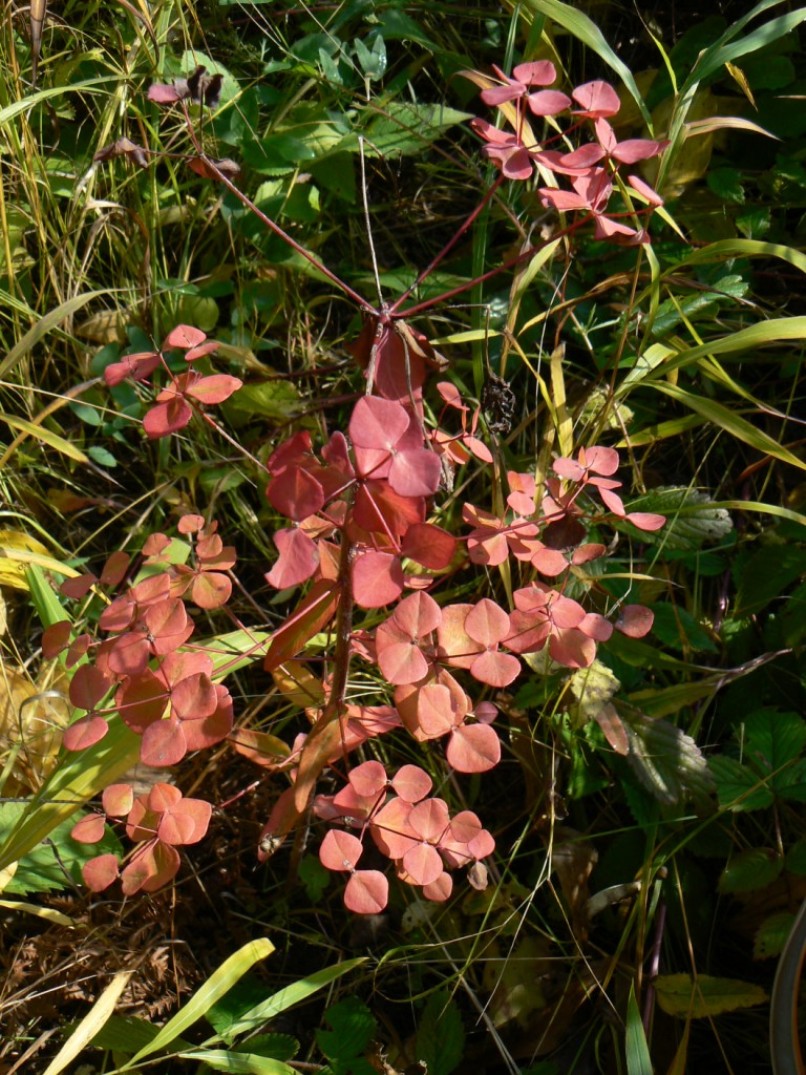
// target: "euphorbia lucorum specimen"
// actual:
[[359, 533]]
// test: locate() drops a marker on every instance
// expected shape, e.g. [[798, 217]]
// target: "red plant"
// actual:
[[360, 533]]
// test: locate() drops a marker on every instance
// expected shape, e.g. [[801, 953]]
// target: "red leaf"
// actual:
[[310, 616], [378, 423], [439, 890], [117, 799], [56, 638], [163, 94], [87, 687], [390, 829], [295, 493], [635, 621], [151, 867], [205, 733], [367, 892], [141, 701], [99, 873], [299, 559], [429, 545], [184, 336], [194, 697], [412, 783], [215, 388], [78, 587], [85, 733], [377, 579], [167, 418], [186, 822], [473, 748], [90, 829], [340, 850], [415, 473], [423, 864], [163, 743], [128, 655]]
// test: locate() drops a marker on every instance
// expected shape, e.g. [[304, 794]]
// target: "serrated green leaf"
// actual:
[[667, 761], [764, 575], [275, 1046], [771, 935], [796, 858], [692, 518], [737, 787], [682, 995], [402, 128], [440, 1035], [677, 628], [353, 1028], [750, 870]]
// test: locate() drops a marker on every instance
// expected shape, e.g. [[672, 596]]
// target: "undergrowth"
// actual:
[[402, 512]]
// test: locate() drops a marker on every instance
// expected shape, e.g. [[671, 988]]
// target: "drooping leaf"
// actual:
[[704, 996], [667, 761]]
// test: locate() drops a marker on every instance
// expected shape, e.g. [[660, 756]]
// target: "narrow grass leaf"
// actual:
[[46, 436], [220, 982], [52, 319], [732, 423], [639, 1061], [89, 1026], [240, 1063], [288, 997]]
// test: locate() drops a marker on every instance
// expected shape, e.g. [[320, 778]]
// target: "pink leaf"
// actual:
[[211, 589], [340, 850], [141, 701], [367, 892], [487, 623], [166, 418], [85, 733], [401, 662], [185, 823], [423, 864], [99, 873], [369, 778], [378, 423], [596, 99], [299, 559], [390, 829], [117, 799], [151, 867], [429, 819], [203, 349], [377, 579], [415, 473], [115, 568], [435, 711], [417, 615], [163, 94], [163, 743], [296, 493], [184, 336], [87, 687], [90, 829], [194, 697], [635, 621], [128, 655], [613, 729], [495, 669], [215, 388], [412, 783], [646, 520], [439, 890], [473, 748], [205, 733]]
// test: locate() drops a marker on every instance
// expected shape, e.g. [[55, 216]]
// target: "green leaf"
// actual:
[[227, 1011], [764, 575], [771, 935], [403, 128], [277, 400], [220, 982], [676, 627], [127, 1034], [276, 1046], [727, 184], [796, 858], [54, 864], [737, 787], [353, 1029], [440, 1035], [750, 870], [238, 1063], [635, 1043], [53, 319], [684, 996], [314, 876], [667, 761], [101, 456], [291, 995]]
